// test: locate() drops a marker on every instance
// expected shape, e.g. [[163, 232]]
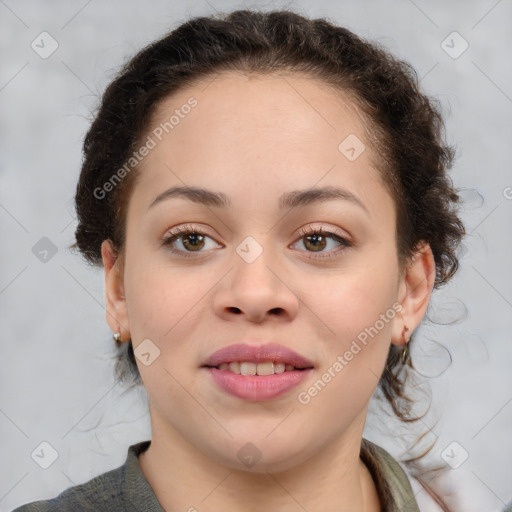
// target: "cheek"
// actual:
[[358, 309], [357, 299], [162, 307], [360, 304], [160, 297], [361, 315]]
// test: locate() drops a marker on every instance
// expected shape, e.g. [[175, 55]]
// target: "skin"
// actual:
[[253, 138]]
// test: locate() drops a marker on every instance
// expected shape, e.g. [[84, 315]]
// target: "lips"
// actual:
[[271, 352], [257, 372]]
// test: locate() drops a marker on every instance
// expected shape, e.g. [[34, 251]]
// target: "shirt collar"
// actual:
[[392, 483]]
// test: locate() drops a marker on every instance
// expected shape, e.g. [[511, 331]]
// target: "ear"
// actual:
[[116, 310], [415, 289]]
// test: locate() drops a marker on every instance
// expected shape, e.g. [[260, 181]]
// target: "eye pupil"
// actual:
[[196, 238], [317, 238]]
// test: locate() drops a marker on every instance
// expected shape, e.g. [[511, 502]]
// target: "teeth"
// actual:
[[234, 368], [266, 368], [248, 368], [279, 368]]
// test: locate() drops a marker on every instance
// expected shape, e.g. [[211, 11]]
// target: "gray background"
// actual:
[[57, 381]]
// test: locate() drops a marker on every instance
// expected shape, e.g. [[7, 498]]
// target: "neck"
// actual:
[[184, 478]]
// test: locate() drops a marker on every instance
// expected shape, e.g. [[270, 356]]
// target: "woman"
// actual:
[[268, 197]]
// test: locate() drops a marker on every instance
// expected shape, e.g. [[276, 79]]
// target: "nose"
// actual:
[[258, 291]]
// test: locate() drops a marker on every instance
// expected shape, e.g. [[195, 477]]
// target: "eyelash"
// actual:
[[188, 230]]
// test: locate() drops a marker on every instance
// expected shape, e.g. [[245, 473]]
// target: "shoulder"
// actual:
[[107, 491], [92, 495]]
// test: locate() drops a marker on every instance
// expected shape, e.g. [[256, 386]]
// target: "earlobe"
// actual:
[[116, 311], [416, 288]]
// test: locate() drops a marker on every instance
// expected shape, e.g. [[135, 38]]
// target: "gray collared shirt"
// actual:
[[126, 488]]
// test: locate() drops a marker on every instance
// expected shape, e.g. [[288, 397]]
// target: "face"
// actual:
[[266, 261]]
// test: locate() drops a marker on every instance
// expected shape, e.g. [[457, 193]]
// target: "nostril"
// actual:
[[235, 310]]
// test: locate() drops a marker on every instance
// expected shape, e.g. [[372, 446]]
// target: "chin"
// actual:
[[261, 455]]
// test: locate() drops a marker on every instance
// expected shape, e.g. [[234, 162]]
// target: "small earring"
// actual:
[[117, 336], [405, 351]]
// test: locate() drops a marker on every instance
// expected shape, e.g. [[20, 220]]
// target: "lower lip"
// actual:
[[257, 388]]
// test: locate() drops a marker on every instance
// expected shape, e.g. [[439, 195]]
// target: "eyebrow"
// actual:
[[293, 199]]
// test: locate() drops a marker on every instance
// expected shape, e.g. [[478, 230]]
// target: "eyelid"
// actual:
[[333, 233], [187, 228], [330, 230], [173, 234], [342, 238]]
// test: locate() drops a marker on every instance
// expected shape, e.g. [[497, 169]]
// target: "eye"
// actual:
[[316, 240], [187, 240], [191, 240]]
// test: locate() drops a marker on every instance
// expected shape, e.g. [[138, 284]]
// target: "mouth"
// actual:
[[257, 372], [254, 368], [268, 359]]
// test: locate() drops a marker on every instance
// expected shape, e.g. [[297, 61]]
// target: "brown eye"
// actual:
[[193, 241], [315, 242], [188, 240]]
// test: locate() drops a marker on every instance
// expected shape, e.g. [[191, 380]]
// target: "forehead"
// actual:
[[254, 132], [280, 103]]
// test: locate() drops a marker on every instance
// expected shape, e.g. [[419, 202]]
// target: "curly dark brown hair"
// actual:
[[403, 125]]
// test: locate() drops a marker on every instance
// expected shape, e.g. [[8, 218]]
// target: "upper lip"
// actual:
[[243, 352]]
